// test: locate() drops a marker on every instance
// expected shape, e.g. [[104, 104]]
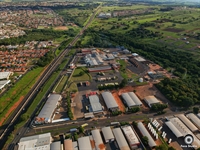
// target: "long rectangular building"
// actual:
[[121, 141], [47, 111], [108, 135], [131, 99], [110, 101], [98, 140], [95, 105], [131, 137], [84, 143], [194, 119]]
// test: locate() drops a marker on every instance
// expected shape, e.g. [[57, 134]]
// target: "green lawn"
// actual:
[[76, 77], [18, 91], [61, 84], [73, 87]]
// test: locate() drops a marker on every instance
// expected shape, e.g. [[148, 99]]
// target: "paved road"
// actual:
[[9, 126]]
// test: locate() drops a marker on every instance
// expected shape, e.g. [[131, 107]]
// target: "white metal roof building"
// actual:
[[130, 136], [131, 99], [36, 142], [150, 100], [95, 105], [75, 145], [176, 132], [3, 83], [84, 143], [55, 145], [110, 101], [121, 141], [49, 107], [98, 140], [107, 133], [194, 119], [187, 122], [5, 75], [144, 132]]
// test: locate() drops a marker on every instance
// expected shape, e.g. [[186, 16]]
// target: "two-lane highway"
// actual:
[[9, 125]]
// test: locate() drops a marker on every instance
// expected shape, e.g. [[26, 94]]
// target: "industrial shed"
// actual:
[[194, 119], [150, 100], [187, 122], [4, 83], [41, 141], [98, 140], [110, 101], [75, 145], [108, 135], [48, 108], [84, 143], [121, 141], [144, 132], [68, 144], [176, 132], [55, 145], [98, 69], [131, 137], [131, 99], [5, 75], [95, 105]]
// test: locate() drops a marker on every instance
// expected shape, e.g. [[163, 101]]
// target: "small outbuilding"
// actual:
[[108, 135]]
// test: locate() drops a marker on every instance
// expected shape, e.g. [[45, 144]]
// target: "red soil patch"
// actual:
[[11, 110], [125, 89], [101, 146], [174, 30], [118, 100]]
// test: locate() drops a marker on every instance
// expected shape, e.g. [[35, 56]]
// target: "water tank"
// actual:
[[141, 80]]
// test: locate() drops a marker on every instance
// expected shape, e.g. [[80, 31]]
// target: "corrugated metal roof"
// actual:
[[135, 98], [130, 135], [98, 140], [151, 100], [100, 68], [128, 100], [95, 104], [109, 100], [174, 129], [107, 133], [187, 122], [75, 145], [55, 146], [121, 141], [4, 75], [84, 143], [68, 144], [49, 106], [194, 119], [144, 132]]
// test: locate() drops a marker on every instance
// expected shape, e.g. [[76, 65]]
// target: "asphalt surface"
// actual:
[[8, 127]]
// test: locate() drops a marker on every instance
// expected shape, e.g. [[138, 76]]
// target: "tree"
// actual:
[[195, 110], [81, 73], [81, 129], [124, 82], [158, 107], [145, 140], [75, 136]]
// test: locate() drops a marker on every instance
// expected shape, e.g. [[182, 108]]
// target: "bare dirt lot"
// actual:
[[62, 111], [118, 100], [157, 68], [61, 28]]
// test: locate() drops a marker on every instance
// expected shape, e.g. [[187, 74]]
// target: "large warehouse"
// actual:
[[121, 141], [98, 140], [41, 141], [194, 119], [99, 69], [95, 105], [84, 143], [108, 135], [150, 100], [55, 145], [48, 109], [131, 99], [3, 83], [5, 75], [110, 101], [144, 132], [131, 137], [176, 132], [187, 122]]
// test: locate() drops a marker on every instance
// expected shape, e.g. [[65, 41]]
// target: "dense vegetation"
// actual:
[[183, 91], [38, 35]]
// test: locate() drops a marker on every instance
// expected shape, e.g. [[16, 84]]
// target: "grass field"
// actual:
[[18, 91], [61, 84], [77, 77]]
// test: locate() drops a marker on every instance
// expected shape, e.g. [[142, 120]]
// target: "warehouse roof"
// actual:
[[95, 104], [128, 99], [49, 106], [187, 122], [4, 83], [98, 140], [55, 145], [100, 68], [135, 98], [144, 132], [41, 141], [5, 75], [75, 145], [107, 133], [194, 119], [68, 144], [84, 143], [109, 100], [121, 141], [174, 129], [151, 100], [130, 135]]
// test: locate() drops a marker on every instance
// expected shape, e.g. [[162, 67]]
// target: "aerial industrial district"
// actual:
[[118, 118], [110, 102]]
